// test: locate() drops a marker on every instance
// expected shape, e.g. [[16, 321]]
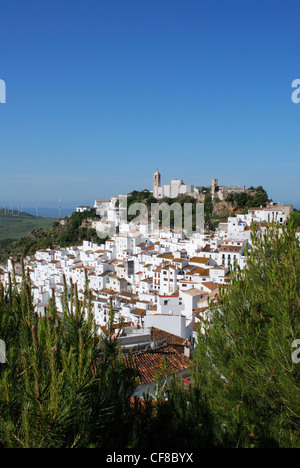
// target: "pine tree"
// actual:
[[244, 359], [178, 419], [62, 385]]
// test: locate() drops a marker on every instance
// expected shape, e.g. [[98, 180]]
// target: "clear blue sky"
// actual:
[[100, 94]]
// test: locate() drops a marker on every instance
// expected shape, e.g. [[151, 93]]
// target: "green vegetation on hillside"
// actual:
[[252, 198], [71, 231], [147, 199], [17, 225]]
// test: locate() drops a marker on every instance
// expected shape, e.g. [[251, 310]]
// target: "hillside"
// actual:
[[215, 211], [18, 225], [76, 228], [70, 231]]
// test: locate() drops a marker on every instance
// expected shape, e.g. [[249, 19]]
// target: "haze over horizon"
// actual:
[[101, 94]]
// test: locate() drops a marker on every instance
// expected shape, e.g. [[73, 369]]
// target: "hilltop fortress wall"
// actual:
[[222, 192], [177, 187]]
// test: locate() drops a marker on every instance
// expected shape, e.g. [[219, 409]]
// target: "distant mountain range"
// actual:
[[50, 212]]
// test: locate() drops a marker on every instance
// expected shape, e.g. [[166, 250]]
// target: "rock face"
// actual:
[[222, 209]]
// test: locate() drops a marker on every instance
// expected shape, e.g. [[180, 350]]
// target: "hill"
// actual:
[[214, 210], [14, 225], [77, 227], [73, 230]]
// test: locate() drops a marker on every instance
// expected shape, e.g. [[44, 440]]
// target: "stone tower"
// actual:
[[156, 183], [214, 187]]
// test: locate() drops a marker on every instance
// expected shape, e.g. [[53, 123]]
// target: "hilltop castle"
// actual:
[[222, 192], [176, 187]]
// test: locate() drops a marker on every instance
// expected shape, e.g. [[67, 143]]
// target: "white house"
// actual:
[[81, 209], [169, 316]]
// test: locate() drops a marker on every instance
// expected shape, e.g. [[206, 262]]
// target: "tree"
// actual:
[[295, 217], [208, 208], [245, 356], [178, 419], [62, 385], [260, 198]]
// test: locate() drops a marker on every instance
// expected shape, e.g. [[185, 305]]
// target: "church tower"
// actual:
[[156, 183]]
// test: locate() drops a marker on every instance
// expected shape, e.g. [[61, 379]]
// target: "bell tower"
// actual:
[[156, 183]]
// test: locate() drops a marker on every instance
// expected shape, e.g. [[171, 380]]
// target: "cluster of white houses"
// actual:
[[160, 282], [160, 279]]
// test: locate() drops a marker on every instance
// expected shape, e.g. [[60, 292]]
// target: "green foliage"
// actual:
[[147, 198], [295, 218], [208, 208], [179, 418], [245, 357], [62, 386], [16, 225], [203, 189], [71, 233], [143, 196], [247, 200]]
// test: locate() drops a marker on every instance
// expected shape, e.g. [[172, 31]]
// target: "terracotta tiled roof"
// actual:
[[230, 248], [151, 247], [194, 292], [199, 260], [157, 334], [168, 256], [211, 285], [149, 363], [138, 311], [199, 271]]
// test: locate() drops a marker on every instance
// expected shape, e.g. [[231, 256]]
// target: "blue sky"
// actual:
[[100, 94]]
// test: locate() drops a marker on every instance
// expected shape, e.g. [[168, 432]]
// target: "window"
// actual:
[[165, 303]]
